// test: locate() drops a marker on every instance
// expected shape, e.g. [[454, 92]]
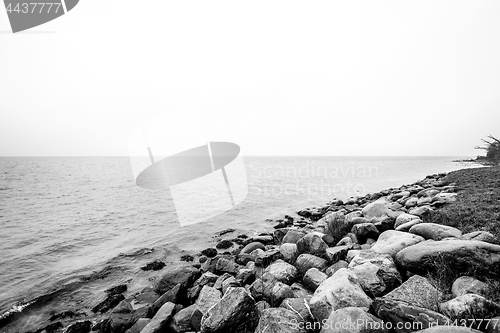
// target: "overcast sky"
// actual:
[[275, 77]]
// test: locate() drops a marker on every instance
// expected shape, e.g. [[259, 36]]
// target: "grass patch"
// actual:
[[478, 202]]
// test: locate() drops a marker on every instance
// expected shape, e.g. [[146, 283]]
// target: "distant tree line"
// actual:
[[492, 148]]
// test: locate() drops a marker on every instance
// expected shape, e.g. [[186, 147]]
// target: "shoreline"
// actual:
[[311, 220]]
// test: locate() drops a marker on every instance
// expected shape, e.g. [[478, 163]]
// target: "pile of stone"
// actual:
[[354, 266]]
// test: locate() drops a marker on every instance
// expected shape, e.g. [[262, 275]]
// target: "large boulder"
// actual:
[[307, 261], [392, 241], [293, 236], [482, 236], [161, 320], [279, 320], [313, 278], [299, 306], [184, 276], [282, 272], [207, 278], [181, 322], [229, 312], [417, 291], [469, 285], [364, 231], [470, 306], [270, 289], [377, 272], [289, 252], [208, 297], [340, 290], [375, 209], [405, 318], [353, 320], [312, 243], [435, 231], [462, 255]]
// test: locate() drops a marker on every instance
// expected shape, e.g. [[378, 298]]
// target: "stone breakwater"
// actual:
[[356, 266]]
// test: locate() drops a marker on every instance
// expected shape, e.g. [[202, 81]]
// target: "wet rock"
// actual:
[[391, 242], [470, 306], [340, 290], [229, 312], [80, 327], [353, 320], [120, 289], [171, 296], [187, 258], [313, 278], [184, 276], [110, 302], [482, 236], [224, 244], [293, 236], [210, 252], [250, 247], [118, 322], [312, 243], [307, 261], [279, 320], [469, 285], [123, 307], [66, 314], [336, 266], [417, 291], [460, 254], [435, 231], [154, 266], [282, 271], [289, 252], [406, 318], [337, 253]]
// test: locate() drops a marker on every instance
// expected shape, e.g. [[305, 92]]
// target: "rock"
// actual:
[[229, 283], [206, 279], [154, 266], [218, 284], [270, 289], [470, 306], [118, 322], [261, 306], [375, 209], [210, 252], [209, 296], [391, 242], [80, 327], [417, 291], [282, 271], [300, 307], [289, 252], [139, 325], [353, 320], [404, 218], [246, 276], [313, 278], [170, 296], [299, 291], [337, 253], [449, 329], [335, 267], [279, 320], [336, 225], [377, 272], [187, 258], [123, 307], [407, 226], [351, 254], [264, 258], [249, 248], [293, 236], [435, 231], [181, 321], [462, 255], [224, 265], [340, 290], [110, 302], [444, 198], [468, 285], [229, 312], [312, 244], [185, 276], [306, 261], [160, 321], [364, 231], [406, 318], [482, 236], [384, 224], [420, 211]]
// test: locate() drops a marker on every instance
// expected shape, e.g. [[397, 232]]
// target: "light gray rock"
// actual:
[[340, 290], [293, 236], [392, 241], [307, 261], [230, 282], [313, 278], [449, 329], [335, 267], [417, 291], [300, 306], [181, 322], [289, 252], [138, 326], [469, 285], [300, 291], [408, 225], [435, 231], [160, 321], [351, 254], [282, 271], [482, 236], [375, 209], [229, 312], [279, 320], [420, 211], [470, 306], [404, 218], [209, 296], [460, 254], [353, 320]]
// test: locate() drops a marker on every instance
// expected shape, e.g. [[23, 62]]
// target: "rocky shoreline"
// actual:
[[366, 264]]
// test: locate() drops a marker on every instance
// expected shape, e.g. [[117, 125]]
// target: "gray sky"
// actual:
[[275, 77]]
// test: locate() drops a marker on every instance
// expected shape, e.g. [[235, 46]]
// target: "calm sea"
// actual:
[[73, 226]]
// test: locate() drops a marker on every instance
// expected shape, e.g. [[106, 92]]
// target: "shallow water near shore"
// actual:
[[72, 227]]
